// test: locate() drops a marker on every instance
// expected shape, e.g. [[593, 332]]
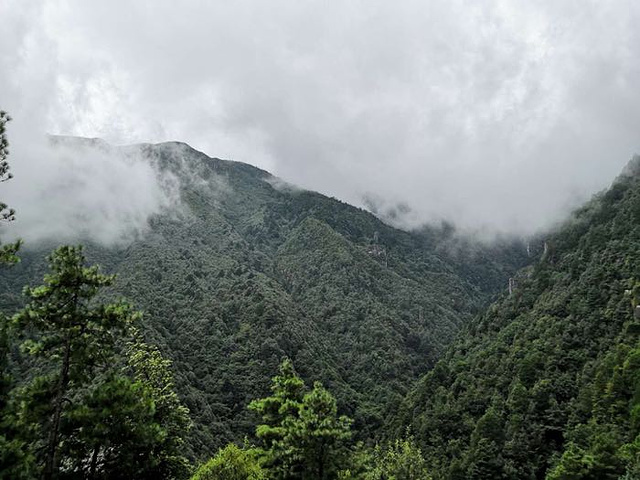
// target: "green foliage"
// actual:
[[6, 213], [318, 435], [7, 252], [232, 463], [112, 433], [302, 436], [399, 460], [545, 382], [246, 273], [607, 444], [82, 410], [285, 403], [151, 370], [72, 336]]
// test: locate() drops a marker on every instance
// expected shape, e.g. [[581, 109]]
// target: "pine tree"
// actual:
[[73, 336], [319, 435], [94, 407], [303, 436], [276, 411], [7, 252], [11, 448], [232, 463], [16, 460]]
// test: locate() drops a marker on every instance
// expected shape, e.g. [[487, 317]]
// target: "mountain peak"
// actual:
[[632, 169]]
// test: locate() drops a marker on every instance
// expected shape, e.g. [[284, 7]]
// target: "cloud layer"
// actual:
[[496, 115], [78, 191]]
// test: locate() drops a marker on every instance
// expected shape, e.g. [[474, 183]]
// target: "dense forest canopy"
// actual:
[[544, 383], [274, 333], [247, 271]]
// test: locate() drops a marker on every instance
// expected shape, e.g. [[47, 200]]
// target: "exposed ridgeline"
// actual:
[[250, 270], [546, 383]]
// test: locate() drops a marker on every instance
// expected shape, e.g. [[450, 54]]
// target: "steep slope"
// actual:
[[248, 271], [545, 383]]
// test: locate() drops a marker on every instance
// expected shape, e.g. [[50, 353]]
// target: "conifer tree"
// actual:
[[276, 411], [7, 252], [318, 435], [149, 368], [11, 448], [232, 463], [93, 407], [303, 436], [73, 336]]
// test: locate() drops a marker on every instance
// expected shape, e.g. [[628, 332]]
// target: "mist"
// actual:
[[497, 116], [69, 189]]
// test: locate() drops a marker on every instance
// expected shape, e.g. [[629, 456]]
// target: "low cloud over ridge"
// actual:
[[496, 115], [73, 189]]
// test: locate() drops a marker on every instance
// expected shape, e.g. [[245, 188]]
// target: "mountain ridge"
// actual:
[[250, 273], [541, 384]]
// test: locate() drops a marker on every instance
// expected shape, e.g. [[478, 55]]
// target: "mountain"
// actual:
[[546, 382], [248, 270]]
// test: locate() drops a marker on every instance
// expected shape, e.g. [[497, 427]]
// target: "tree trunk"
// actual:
[[94, 462], [321, 462], [52, 444]]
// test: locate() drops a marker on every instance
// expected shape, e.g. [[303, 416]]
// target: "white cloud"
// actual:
[[494, 114], [76, 191]]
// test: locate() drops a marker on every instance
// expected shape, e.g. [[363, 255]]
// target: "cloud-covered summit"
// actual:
[[494, 114]]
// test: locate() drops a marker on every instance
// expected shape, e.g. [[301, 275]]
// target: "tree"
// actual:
[[7, 252], [11, 448], [232, 463], [399, 460], [74, 337], [303, 436], [148, 367], [16, 460], [484, 458], [285, 403], [94, 407], [319, 435], [110, 433], [130, 424]]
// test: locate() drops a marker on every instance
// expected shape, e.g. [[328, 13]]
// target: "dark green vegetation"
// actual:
[[7, 252], [543, 384], [246, 274], [88, 399], [302, 434], [546, 382], [302, 437]]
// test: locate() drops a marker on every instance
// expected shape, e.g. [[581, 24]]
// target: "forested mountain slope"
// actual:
[[546, 383], [248, 271]]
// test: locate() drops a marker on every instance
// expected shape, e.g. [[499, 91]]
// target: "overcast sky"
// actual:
[[497, 115]]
